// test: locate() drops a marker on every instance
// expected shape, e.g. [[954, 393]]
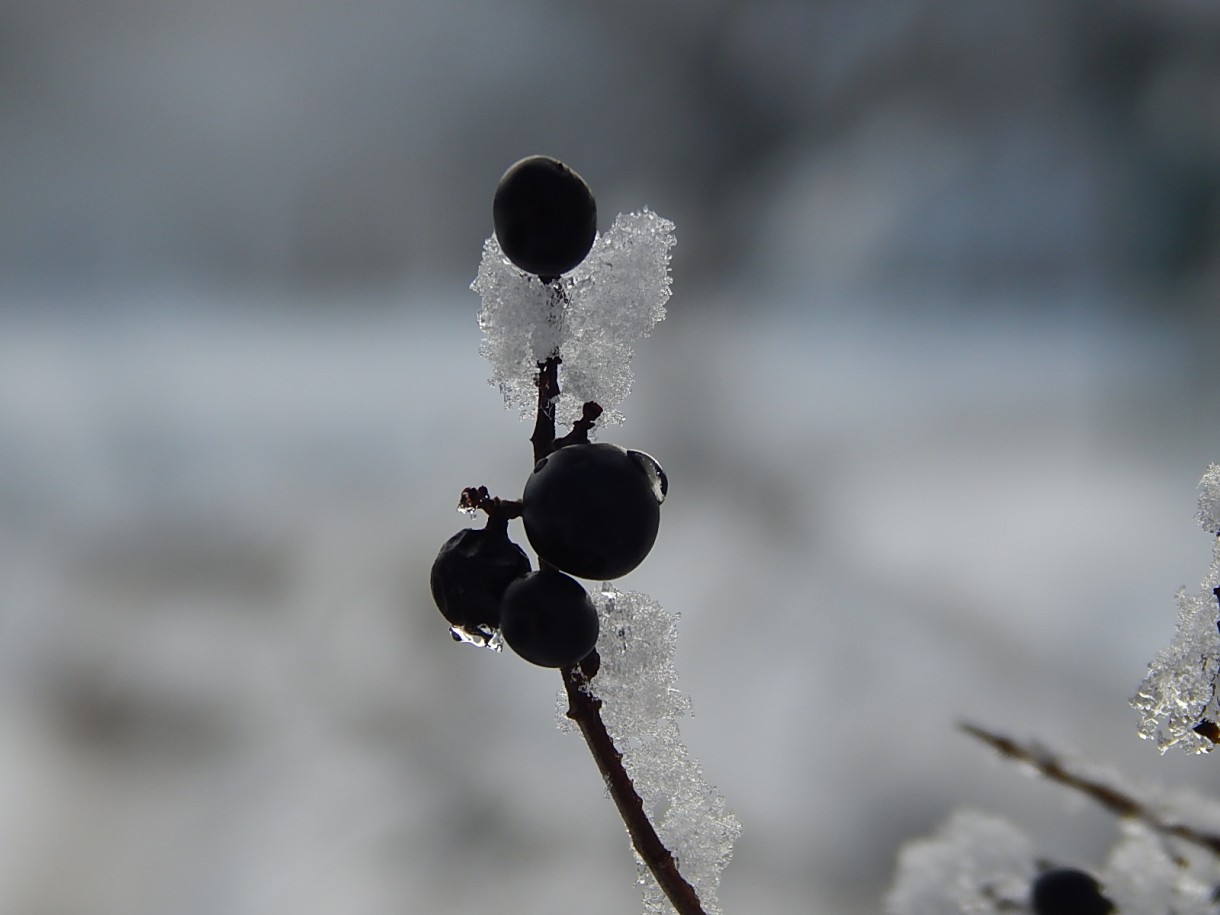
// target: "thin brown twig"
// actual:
[[584, 708], [1116, 801]]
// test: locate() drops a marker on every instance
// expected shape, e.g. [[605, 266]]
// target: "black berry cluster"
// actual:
[[1068, 891], [590, 510]]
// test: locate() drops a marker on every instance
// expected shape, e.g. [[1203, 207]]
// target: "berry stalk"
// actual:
[[543, 438]]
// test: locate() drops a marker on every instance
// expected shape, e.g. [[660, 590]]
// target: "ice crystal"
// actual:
[[637, 683], [591, 317], [1209, 500], [976, 864], [1177, 701]]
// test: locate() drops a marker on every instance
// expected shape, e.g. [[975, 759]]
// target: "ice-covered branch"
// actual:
[[622, 697], [584, 708], [637, 641], [637, 684]]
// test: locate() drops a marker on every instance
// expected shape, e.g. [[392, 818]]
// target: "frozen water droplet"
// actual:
[[650, 466], [482, 636]]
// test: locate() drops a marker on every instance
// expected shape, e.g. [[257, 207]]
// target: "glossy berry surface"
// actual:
[[594, 510], [548, 619], [470, 573], [1067, 891], [545, 216]]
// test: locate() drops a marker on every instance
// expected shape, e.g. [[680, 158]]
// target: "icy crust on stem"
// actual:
[[592, 317], [974, 863], [1179, 694], [637, 682]]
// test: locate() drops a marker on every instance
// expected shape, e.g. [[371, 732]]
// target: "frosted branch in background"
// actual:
[[638, 685], [975, 863], [592, 317], [1177, 701], [1149, 872], [1167, 859]]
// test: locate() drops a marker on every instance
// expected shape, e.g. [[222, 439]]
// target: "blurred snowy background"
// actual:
[[936, 386]]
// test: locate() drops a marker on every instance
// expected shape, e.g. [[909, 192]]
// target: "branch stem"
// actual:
[[584, 708], [547, 380]]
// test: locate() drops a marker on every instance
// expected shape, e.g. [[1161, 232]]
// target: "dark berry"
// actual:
[[593, 510], [548, 619], [545, 216], [1067, 891], [470, 574]]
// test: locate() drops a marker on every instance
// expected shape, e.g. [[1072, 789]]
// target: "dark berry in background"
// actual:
[[1067, 891], [545, 216], [594, 510], [548, 619], [470, 574]]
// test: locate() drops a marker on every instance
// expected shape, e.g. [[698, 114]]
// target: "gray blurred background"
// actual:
[[935, 389]]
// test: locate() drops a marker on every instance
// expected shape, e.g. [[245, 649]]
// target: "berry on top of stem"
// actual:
[[545, 216]]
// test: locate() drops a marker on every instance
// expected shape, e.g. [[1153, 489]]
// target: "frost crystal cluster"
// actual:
[[592, 316], [1177, 701], [637, 683]]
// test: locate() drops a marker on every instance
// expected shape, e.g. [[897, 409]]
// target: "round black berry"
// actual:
[[593, 510], [470, 573], [1067, 891], [548, 619], [545, 216]]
